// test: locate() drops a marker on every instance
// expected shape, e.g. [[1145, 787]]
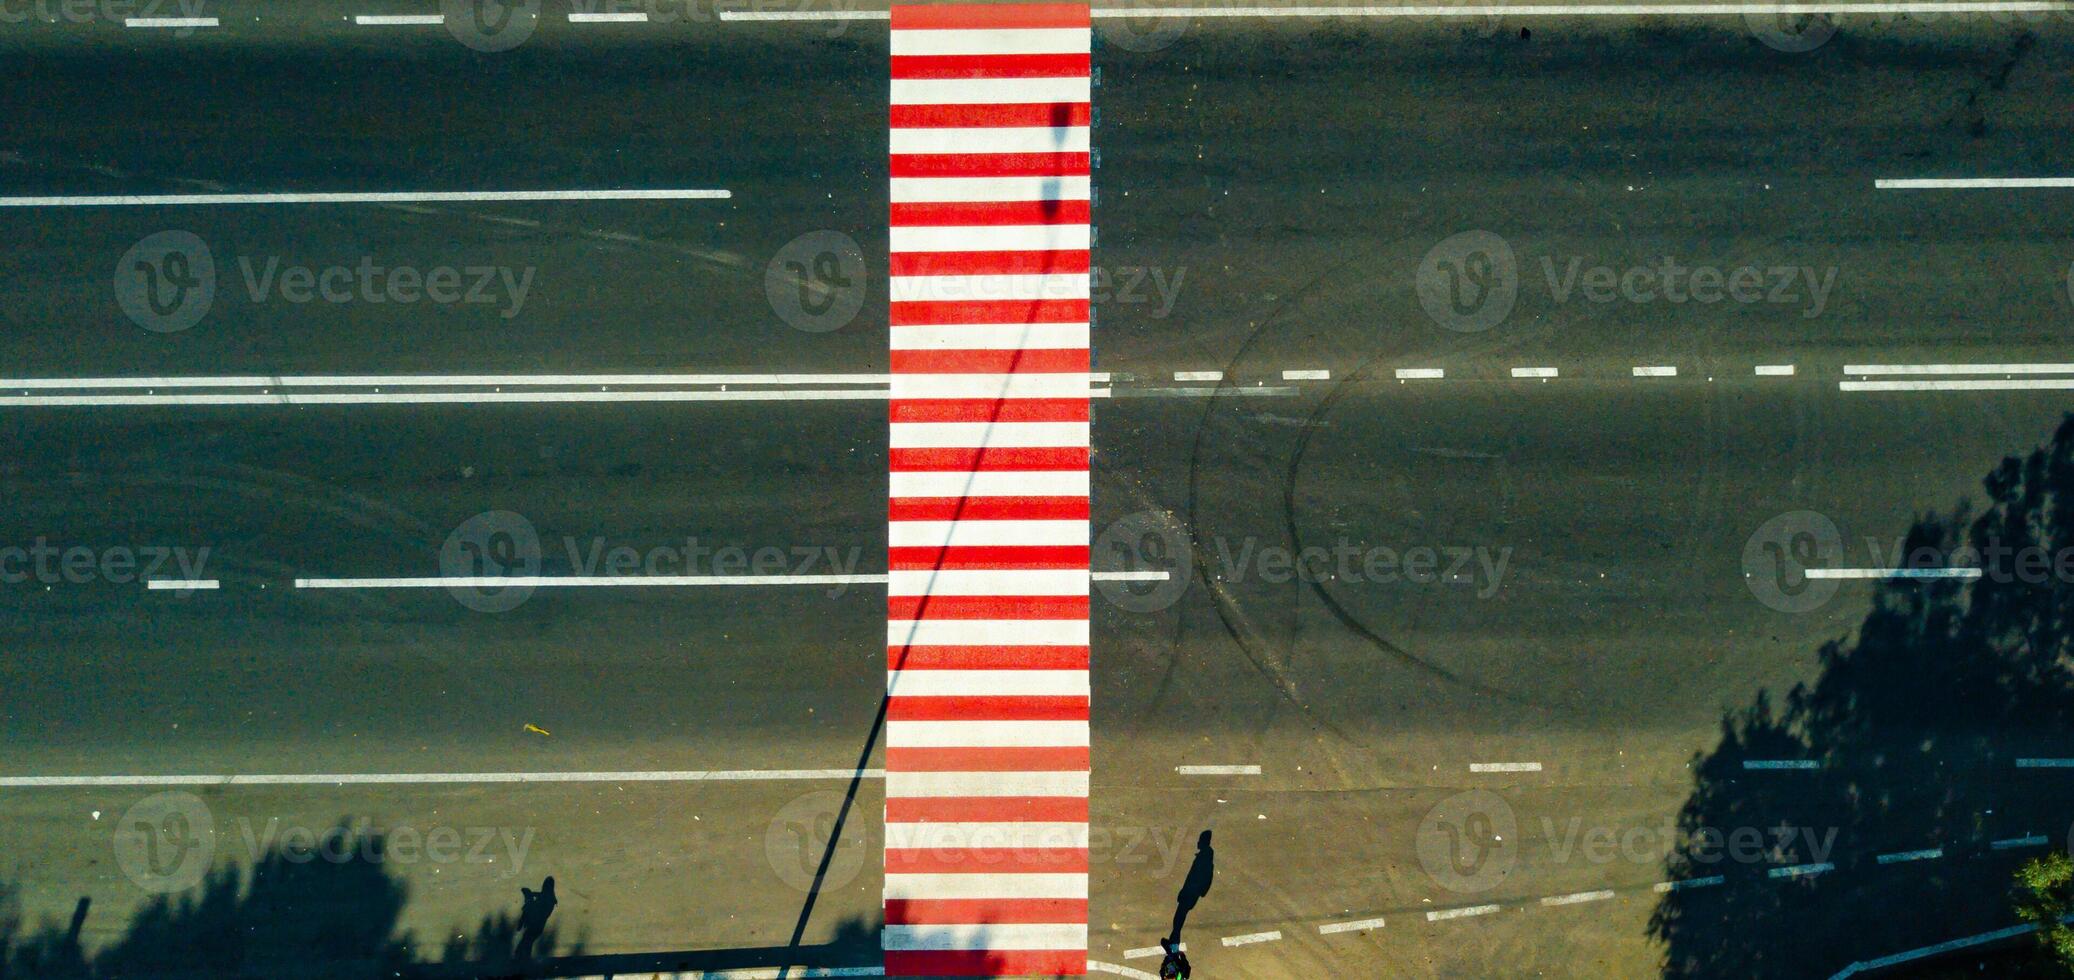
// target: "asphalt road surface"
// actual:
[[1543, 333]]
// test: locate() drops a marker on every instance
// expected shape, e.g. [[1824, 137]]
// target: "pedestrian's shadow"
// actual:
[[1200, 874], [1881, 805]]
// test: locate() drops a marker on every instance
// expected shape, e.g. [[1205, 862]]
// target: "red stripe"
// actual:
[[988, 707], [967, 16], [910, 313], [915, 607], [982, 263], [986, 658], [1020, 114], [988, 165], [986, 860], [988, 557], [963, 911], [1042, 360], [988, 410], [1018, 759], [988, 459], [991, 213], [987, 509], [986, 962], [986, 809], [991, 66]]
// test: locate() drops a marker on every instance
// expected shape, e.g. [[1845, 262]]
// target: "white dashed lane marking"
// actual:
[[1420, 374], [1307, 375], [1439, 915], [632, 17], [1902, 857], [1505, 767], [1774, 370], [1664, 371], [1754, 764], [1253, 938], [1893, 573], [399, 20], [1358, 925], [1970, 183], [1199, 375], [148, 22], [180, 584], [1534, 372], [1578, 898], [1218, 770]]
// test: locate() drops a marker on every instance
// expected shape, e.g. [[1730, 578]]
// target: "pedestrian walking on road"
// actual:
[[533, 915], [1175, 966]]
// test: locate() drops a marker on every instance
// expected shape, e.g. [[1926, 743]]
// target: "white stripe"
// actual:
[[1928, 854], [169, 22], [1060, 385], [964, 632], [1577, 898], [925, 190], [1774, 370], [948, 836], [993, 336], [1218, 770], [1358, 925], [1054, 483], [964, 534], [1534, 372], [1990, 384], [633, 17], [443, 398], [1420, 374], [1252, 938], [1801, 870], [421, 778], [981, 683], [1147, 952], [1959, 368], [1672, 886], [989, 139], [986, 238], [939, 784], [988, 91], [1021, 40], [1665, 371], [989, 936], [1439, 914], [437, 380], [578, 581], [1032, 286], [1307, 375], [904, 886], [398, 20], [968, 435], [381, 197], [1894, 573], [986, 734], [1199, 375], [180, 584], [1505, 767], [1971, 183], [987, 582]]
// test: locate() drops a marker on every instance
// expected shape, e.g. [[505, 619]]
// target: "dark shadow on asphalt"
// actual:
[[1915, 724], [1201, 872], [333, 915]]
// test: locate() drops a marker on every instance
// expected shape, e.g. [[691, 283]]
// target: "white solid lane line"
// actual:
[[421, 778], [1971, 183], [2013, 368], [1895, 573], [1598, 10], [1218, 770], [370, 197], [438, 380], [1982, 384]]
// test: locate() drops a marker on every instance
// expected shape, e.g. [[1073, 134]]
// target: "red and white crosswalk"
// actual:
[[987, 518]]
